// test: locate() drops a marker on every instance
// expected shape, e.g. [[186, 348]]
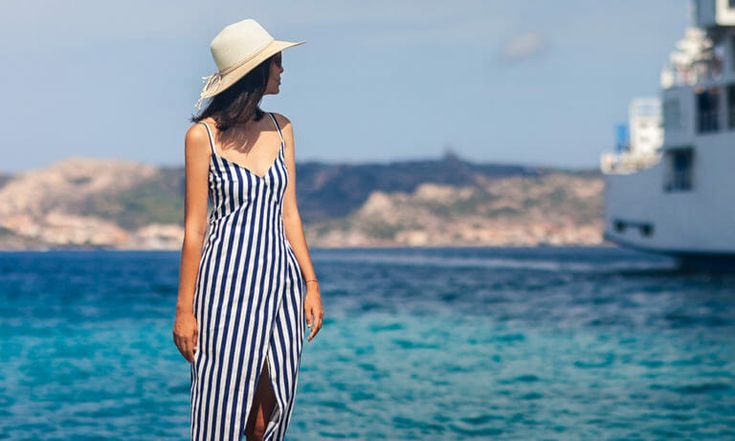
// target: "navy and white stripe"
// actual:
[[248, 302]]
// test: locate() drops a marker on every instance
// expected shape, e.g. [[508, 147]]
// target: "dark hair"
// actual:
[[239, 102]]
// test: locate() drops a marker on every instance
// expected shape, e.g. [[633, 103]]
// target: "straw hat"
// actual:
[[237, 50]]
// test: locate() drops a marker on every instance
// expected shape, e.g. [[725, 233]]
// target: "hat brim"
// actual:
[[233, 76]]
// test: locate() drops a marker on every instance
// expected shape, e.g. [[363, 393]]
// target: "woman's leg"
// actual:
[[263, 404]]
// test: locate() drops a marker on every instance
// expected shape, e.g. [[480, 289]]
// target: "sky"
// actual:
[[524, 82]]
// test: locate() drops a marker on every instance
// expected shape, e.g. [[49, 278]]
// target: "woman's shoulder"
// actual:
[[197, 134], [209, 121], [281, 119], [197, 128]]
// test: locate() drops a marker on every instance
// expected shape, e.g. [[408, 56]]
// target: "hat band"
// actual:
[[239, 63]]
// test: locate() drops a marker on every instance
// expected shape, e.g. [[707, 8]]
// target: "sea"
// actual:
[[417, 344]]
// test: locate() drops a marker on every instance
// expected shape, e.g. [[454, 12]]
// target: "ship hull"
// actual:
[[696, 225]]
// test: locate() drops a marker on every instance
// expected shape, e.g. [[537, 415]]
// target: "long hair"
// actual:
[[241, 101]]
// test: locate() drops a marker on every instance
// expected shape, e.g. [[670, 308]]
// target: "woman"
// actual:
[[247, 284]]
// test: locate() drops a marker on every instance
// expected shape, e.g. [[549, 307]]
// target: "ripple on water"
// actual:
[[597, 361], [527, 378], [703, 388], [414, 344]]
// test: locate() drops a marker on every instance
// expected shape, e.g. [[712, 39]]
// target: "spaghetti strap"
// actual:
[[211, 139], [277, 128]]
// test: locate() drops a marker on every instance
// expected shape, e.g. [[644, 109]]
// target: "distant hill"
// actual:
[[85, 202]]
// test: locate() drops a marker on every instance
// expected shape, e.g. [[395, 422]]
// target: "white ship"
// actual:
[[671, 189]]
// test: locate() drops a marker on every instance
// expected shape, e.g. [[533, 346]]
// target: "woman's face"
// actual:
[[274, 78]]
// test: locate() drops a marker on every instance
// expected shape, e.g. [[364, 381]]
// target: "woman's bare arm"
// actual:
[[295, 232], [197, 153]]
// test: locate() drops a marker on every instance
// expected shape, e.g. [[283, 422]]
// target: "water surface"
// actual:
[[425, 344]]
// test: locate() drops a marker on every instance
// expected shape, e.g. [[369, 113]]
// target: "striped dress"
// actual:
[[248, 302]]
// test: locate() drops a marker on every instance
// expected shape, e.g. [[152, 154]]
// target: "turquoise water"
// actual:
[[557, 344]]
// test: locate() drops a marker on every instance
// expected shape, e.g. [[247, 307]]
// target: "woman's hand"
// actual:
[[313, 309], [185, 334]]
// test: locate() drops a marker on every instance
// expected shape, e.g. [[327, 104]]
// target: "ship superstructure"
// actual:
[[671, 189]]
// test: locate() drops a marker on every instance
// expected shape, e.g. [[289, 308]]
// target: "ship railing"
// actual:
[[628, 162], [691, 75]]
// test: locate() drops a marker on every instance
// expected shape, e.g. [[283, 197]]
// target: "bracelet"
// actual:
[[312, 280]]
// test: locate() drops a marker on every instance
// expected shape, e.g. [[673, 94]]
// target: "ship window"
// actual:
[[731, 106], [679, 168], [646, 230], [619, 225], [707, 116], [672, 113]]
